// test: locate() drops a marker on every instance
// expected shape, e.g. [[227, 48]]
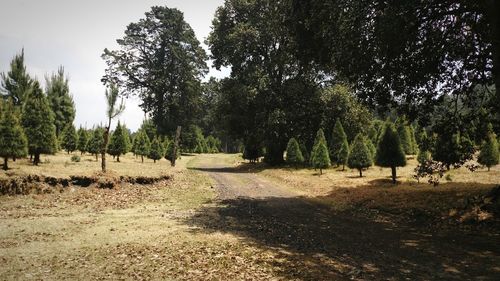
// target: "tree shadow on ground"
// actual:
[[314, 242]]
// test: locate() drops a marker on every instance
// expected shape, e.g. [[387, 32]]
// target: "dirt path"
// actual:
[[316, 243]]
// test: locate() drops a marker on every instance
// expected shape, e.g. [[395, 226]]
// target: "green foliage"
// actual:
[[213, 144], [375, 130], [405, 137], [169, 154], [13, 142], [389, 150], [160, 53], [149, 128], [143, 145], [16, 84], [423, 156], [38, 123], [453, 150], [371, 147], [118, 144], [83, 138], [489, 154], [336, 142], [360, 156], [70, 139], [60, 100], [343, 154], [321, 157], [320, 138], [75, 158], [293, 153], [413, 140], [192, 140], [96, 141], [156, 151], [305, 152]]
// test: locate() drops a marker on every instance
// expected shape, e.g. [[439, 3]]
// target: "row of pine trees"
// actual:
[[386, 145]]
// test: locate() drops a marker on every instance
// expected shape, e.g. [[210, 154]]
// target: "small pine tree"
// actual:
[[320, 138], [13, 143], [305, 152], [321, 157], [169, 154], [405, 138], [343, 154], [96, 142], [423, 156], [360, 157], [389, 150], [414, 144], [371, 148], [70, 139], [118, 143], [38, 124], [143, 145], [293, 153], [489, 154], [156, 152], [83, 139], [338, 138]]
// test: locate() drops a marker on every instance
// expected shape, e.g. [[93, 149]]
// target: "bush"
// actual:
[[75, 158]]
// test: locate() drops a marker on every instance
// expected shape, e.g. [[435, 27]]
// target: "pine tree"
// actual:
[[453, 149], [38, 124], [413, 140], [112, 111], [13, 142], [293, 153], [405, 138], [320, 138], [423, 156], [17, 83], [389, 150], [338, 138], [321, 157], [305, 152], [489, 154], [343, 154], [60, 100], [360, 157], [118, 142], [70, 139], [156, 152], [143, 145], [170, 151], [96, 142], [371, 147], [83, 139]]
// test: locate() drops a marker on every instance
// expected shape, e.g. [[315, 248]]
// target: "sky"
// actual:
[[74, 34]]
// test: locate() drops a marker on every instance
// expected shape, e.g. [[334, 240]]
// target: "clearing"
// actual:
[[218, 219]]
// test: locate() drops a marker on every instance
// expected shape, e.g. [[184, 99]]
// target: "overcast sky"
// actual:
[[74, 33]]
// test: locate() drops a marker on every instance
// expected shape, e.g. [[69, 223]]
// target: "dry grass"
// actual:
[[60, 165]]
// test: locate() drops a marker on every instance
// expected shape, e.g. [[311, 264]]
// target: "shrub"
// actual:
[[75, 158]]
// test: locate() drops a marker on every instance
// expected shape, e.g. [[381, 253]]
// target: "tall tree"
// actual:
[[113, 110], [60, 100], [13, 142], [162, 62], [16, 83], [118, 144], [400, 52], [38, 123], [390, 153], [360, 157]]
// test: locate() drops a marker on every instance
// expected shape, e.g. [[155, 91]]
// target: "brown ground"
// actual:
[[251, 223]]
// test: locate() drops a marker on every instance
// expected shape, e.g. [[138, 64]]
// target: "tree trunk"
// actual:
[[488, 169], [360, 173], [320, 171], [5, 166], [142, 158], [176, 144], [118, 158], [154, 161], [393, 169], [96, 157], [105, 146], [343, 167], [37, 159], [14, 158]]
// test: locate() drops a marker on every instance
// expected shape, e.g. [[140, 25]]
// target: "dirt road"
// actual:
[[314, 242]]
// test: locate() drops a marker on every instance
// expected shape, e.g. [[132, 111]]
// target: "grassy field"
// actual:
[[178, 230]]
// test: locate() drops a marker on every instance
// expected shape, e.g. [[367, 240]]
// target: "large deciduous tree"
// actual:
[[162, 62], [60, 100]]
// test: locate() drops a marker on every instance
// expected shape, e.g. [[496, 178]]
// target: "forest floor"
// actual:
[[220, 219]]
